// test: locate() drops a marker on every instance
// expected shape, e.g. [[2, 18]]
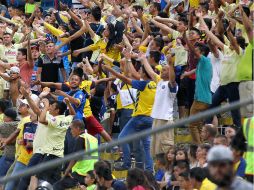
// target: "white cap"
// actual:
[[174, 4], [34, 97], [15, 70], [23, 101], [219, 153]]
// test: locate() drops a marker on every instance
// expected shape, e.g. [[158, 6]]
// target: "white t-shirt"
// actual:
[[77, 5], [10, 53], [50, 139], [164, 101], [229, 65], [216, 65]]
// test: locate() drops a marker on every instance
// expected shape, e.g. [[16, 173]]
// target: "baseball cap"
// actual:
[[35, 46], [15, 70], [34, 97], [23, 101], [175, 3], [219, 153], [11, 113]]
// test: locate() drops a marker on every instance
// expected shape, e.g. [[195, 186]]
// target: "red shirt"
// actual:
[[26, 72]]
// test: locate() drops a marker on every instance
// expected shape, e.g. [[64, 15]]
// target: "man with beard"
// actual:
[[220, 165]]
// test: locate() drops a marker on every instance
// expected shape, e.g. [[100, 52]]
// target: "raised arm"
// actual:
[[220, 27], [233, 41], [73, 16], [82, 50], [148, 67], [30, 101], [89, 29], [7, 20], [42, 116], [5, 77], [162, 26], [125, 79], [129, 70], [87, 66], [135, 25], [126, 42], [77, 34], [55, 85], [171, 73], [166, 20], [37, 30], [29, 53], [104, 80], [204, 27], [73, 100], [247, 24], [71, 109]]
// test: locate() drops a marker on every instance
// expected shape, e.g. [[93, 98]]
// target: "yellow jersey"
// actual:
[[86, 86], [207, 185], [118, 99], [101, 44], [22, 155], [145, 97]]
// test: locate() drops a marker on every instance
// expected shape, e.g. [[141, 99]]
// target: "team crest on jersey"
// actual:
[[151, 85]]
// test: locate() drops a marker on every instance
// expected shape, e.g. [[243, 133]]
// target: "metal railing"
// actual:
[[83, 154]]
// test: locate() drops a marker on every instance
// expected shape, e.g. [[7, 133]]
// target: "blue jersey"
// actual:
[[78, 94]]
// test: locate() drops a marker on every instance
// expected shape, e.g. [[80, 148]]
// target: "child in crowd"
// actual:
[[230, 132], [90, 181], [192, 155], [169, 167], [161, 166], [202, 155], [238, 147], [180, 167], [184, 181], [15, 83], [181, 155]]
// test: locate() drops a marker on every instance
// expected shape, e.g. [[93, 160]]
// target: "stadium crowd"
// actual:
[[87, 72]]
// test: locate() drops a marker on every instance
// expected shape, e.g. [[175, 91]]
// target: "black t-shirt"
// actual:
[[76, 44], [50, 68], [97, 28], [79, 144], [112, 105]]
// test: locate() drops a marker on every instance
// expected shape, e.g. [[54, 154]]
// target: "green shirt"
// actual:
[[245, 67], [91, 187], [29, 8], [229, 65]]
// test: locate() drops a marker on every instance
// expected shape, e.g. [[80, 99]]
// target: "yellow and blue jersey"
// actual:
[[145, 97]]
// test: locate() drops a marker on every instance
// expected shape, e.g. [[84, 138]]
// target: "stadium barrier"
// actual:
[[85, 154]]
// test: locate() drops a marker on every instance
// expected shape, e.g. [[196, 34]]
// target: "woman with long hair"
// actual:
[[107, 44]]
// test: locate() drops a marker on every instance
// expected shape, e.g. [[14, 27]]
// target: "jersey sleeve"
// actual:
[[138, 84], [65, 87], [80, 96]]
